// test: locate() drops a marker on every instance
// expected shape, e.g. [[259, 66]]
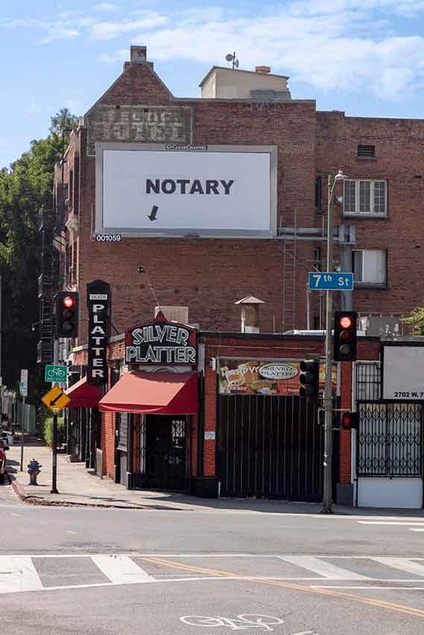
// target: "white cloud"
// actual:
[[59, 33], [110, 30], [108, 7], [31, 109]]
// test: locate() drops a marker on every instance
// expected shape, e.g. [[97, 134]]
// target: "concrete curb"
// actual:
[[30, 499]]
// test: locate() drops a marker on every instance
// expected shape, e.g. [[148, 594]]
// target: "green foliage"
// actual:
[[416, 320], [25, 187], [47, 431]]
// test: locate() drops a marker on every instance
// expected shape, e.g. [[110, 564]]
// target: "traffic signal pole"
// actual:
[[54, 431], [327, 503], [54, 455]]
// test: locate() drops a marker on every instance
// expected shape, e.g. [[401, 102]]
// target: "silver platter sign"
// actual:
[[161, 342]]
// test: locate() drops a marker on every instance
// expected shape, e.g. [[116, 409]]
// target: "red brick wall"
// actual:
[[400, 160], [108, 443], [207, 275]]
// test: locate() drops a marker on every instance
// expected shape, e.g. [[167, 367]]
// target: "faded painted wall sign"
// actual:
[[157, 124]]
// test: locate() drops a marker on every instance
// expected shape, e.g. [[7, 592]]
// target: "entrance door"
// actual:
[[165, 453]]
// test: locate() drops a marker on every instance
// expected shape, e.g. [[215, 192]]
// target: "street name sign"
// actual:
[[55, 399], [330, 281], [55, 373]]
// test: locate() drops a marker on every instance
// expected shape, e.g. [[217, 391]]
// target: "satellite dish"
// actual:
[[231, 57]]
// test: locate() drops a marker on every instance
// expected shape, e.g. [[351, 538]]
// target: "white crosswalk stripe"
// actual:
[[402, 564], [121, 569], [321, 567], [17, 573]]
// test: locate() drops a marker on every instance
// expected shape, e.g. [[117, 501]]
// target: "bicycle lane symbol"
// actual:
[[243, 622]]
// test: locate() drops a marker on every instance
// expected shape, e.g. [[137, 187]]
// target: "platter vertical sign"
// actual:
[[99, 305]]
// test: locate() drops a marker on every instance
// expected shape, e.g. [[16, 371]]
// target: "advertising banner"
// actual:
[[262, 377], [220, 191]]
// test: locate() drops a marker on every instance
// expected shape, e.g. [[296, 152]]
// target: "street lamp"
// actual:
[[327, 504]]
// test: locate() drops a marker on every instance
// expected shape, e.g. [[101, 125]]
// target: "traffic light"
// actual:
[[309, 378], [349, 421], [67, 307], [345, 336]]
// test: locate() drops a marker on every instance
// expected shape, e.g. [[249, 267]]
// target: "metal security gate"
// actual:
[[390, 440], [269, 446], [389, 445], [161, 453]]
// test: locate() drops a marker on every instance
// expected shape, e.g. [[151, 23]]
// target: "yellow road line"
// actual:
[[400, 608]]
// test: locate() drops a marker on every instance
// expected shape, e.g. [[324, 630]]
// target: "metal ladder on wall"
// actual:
[[289, 273]]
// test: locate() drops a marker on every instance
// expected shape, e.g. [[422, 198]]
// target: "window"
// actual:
[[369, 266], [365, 197]]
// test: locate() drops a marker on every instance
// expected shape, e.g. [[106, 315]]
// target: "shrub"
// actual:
[[48, 431]]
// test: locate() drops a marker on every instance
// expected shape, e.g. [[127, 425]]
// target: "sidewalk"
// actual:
[[79, 486]]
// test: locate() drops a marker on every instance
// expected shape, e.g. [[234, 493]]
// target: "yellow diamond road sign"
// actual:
[[55, 399]]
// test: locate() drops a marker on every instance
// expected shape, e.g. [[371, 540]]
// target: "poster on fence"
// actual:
[[264, 377]]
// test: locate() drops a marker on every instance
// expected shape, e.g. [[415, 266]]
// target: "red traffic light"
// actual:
[[349, 420], [68, 301], [346, 322]]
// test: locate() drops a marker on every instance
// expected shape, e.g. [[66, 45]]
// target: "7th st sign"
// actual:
[[331, 281]]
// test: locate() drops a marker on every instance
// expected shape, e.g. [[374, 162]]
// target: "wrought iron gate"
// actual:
[[390, 435], [269, 447], [161, 451], [390, 440]]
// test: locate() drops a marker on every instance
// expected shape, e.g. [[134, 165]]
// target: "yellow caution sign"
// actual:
[[55, 399]]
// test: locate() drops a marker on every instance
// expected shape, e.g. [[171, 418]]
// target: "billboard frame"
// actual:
[[126, 232], [411, 398]]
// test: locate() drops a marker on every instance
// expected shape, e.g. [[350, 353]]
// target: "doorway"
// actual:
[[163, 450]]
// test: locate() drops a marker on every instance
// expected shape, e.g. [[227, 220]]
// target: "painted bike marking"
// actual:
[[242, 622]]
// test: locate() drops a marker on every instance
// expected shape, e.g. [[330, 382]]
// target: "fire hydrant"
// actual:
[[33, 471]]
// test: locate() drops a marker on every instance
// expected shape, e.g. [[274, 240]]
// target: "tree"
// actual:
[[24, 189], [416, 320]]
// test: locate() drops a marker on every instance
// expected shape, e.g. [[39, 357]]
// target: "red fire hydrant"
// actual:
[[33, 471]]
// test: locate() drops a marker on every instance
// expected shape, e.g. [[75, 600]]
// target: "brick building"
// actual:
[[197, 273]]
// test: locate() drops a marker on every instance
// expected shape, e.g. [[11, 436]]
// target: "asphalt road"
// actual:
[[77, 570]]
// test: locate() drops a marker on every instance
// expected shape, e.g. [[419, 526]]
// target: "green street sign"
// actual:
[[57, 374]]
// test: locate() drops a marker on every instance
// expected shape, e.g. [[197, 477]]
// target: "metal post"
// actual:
[[54, 455], [346, 265], [22, 433], [327, 503], [308, 308]]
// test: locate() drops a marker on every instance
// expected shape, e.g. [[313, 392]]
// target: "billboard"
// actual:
[[215, 191], [403, 372], [264, 377]]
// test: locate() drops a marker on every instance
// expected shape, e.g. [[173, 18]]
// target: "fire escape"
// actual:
[[48, 281]]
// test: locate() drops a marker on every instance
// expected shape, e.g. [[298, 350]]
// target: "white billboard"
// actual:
[[144, 190], [403, 372]]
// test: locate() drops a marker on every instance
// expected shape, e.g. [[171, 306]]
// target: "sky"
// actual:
[[365, 57]]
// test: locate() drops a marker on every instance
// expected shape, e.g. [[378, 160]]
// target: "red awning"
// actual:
[[83, 395], [162, 393]]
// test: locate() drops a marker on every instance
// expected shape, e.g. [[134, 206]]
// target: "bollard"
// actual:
[[33, 471]]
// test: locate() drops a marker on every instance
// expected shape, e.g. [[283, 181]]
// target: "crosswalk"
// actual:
[[23, 573], [411, 525]]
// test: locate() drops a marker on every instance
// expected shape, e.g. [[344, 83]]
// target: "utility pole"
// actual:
[[327, 504]]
